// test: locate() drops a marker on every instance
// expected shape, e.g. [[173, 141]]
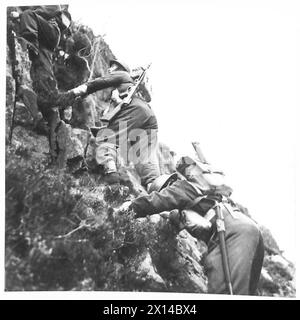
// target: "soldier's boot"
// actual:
[[111, 176], [106, 156]]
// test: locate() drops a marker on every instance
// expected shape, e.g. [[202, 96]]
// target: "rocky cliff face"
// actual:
[[64, 230]]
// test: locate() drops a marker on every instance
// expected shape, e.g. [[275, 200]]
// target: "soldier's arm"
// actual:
[[64, 99], [113, 80], [177, 196]]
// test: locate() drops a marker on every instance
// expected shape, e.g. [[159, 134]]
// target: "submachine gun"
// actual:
[[125, 102]]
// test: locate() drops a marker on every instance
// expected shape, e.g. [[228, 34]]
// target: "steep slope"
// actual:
[[64, 229]]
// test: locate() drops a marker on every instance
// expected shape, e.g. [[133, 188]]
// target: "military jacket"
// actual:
[[180, 195]]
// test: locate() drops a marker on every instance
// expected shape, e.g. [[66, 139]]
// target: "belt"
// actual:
[[211, 213]]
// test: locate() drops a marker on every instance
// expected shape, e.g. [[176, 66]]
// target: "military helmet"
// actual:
[[120, 64], [183, 163], [162, 181]]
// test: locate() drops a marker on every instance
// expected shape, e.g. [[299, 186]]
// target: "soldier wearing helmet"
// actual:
[[191, 207], [162, 181], [135, 117]]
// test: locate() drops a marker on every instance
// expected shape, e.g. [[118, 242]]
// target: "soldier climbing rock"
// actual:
[[193, 209], [135, 121], [42, 28]]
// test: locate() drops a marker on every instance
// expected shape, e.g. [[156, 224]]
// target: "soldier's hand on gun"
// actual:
[[135, 73], [115, 96], [80, 90]]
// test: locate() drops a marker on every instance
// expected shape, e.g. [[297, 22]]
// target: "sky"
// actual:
[[223, 73]]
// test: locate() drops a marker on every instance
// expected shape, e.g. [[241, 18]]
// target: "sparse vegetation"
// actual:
[[64, 231]]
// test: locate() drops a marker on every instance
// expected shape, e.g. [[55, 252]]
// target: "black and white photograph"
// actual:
[[150, 149]]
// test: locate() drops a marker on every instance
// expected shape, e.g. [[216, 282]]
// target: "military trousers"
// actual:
[[38, 30], [126, 137], [143, 156], [245, 252]]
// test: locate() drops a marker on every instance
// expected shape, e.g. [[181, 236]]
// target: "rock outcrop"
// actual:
[[65, 230]]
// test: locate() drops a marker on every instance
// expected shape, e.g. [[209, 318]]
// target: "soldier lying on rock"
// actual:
[[41, 29], [135, 125], [189, 203]]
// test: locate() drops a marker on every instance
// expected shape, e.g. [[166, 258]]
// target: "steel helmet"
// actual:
[[162, 181], [183, 163], [121, 64]]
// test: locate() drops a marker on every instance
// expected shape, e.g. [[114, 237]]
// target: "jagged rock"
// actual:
[[283, 266], [189, 258], [282, 273], [10, 85], [270, 243], [135, 185], [21, 73], [280, 261], [71, 141], [30, 144], [267, 282], [66, 233], [23, 64], [179, 257], [145, 272], [84, 113], [22, 115]]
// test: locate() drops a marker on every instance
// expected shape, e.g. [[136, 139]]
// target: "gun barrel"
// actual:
[[200, 155]]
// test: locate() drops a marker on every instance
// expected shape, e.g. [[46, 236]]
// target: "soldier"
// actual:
[[42, 29], [136, 122], [243, 237]]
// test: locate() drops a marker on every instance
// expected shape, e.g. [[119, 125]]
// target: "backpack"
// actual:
[[209, 180]]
